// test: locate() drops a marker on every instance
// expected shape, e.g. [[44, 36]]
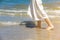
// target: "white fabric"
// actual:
[[36, 9]]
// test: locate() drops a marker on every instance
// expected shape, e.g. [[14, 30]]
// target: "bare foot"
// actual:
[[50, 28]]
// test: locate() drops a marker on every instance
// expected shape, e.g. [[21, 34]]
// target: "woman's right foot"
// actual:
[[50, 28]]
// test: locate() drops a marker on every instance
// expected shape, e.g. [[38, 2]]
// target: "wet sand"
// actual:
[[21, 32]]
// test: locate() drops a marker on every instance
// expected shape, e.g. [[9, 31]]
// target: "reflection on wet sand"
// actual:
[[42, 34], [21, 32]]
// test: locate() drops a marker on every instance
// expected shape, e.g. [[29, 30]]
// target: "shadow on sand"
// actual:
[[30, 24]]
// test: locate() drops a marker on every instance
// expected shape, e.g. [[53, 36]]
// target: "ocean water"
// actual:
[[18, 4], [11, 3], [20, 8]]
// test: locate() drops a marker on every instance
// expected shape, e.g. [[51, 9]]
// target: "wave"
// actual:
[[4, 10], [13, 11], [53, 16], [56, 11], [10, 23]]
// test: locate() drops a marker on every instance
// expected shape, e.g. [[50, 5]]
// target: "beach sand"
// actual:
[[21, 32]]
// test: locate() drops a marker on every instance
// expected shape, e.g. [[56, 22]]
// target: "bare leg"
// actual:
[[38, 24], [50, 26]]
